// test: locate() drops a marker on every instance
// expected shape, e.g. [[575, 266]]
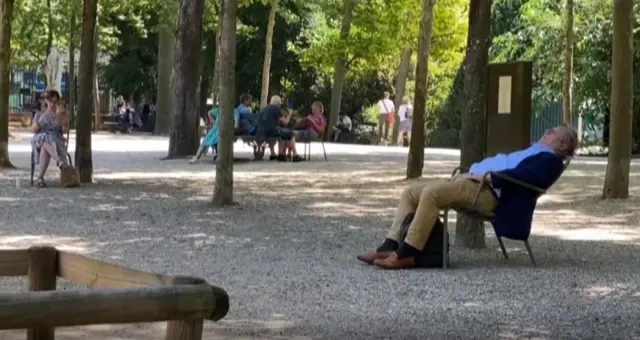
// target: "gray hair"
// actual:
[[570, 139], [386, 94], [276, 100]]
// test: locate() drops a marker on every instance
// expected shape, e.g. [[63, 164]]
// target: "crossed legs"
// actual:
[[48, 151], [426, 200]]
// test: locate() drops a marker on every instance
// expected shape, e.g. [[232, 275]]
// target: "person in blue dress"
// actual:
[[210, 140]]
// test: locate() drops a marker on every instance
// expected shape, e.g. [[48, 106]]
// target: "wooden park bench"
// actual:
[[107, 122], [259, 145], [118, 295], [488, 217], [22, 118]]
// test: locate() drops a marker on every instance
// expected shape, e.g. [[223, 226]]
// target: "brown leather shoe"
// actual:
[[372, 256], [392, 262]]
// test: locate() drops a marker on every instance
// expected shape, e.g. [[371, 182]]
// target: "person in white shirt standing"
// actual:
[[387, 110], [405, 112]]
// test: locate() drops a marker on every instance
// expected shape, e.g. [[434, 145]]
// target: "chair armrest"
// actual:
[[458, 170], [484, 184], [516, 181]]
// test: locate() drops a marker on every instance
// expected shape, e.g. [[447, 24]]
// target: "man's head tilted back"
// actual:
[[276, 100], [562, 139]]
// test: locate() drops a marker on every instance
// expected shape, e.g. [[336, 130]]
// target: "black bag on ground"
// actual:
[[431, 254]]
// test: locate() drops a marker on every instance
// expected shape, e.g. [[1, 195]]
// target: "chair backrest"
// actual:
[[566, 161]]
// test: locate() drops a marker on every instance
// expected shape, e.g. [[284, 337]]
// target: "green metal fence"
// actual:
[[548, 118]]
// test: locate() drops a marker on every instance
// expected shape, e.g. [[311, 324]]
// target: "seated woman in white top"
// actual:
[[405, 112], [343, 125]]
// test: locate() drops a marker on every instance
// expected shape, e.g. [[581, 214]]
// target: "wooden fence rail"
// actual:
[[120, 295]]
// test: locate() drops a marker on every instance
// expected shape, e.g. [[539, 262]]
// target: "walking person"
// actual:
[[385, 119], [405, 112]]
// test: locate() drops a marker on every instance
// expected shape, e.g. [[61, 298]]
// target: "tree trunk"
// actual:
[[616, 182], [415, 162], [165, 69], [207, 72], [266, 65], [340, 72], [223, 191], [184, 137], [568, 65], [71, 75], [470, 233], [215, 82], [49, 33], [86, 72], [96, 87], [6, 14], [205, 88], [401, 86]]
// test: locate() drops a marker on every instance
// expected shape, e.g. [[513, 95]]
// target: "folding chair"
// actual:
[[488, 217], [33, 153], [307, 146]]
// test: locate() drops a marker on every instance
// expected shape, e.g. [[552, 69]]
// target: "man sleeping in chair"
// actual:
[[539, 165]]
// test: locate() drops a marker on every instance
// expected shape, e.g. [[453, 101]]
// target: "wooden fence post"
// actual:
[[42, 276], [185, 329]]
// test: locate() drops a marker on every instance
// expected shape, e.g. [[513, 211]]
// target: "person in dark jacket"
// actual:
[[539, 165]]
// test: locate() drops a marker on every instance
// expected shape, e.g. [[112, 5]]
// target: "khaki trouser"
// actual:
[[427, 199], [383, 127]]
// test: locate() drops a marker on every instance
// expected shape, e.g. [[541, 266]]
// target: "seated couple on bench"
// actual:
[[272, 126], [512, 205]]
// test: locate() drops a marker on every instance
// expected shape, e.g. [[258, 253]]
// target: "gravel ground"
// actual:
[[286, 253]]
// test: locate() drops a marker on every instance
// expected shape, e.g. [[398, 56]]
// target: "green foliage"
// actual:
[[534, 30], [132, 70], [379, 32], [306, 43]]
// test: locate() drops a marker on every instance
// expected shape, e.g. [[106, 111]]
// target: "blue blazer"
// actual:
[[514, 212]]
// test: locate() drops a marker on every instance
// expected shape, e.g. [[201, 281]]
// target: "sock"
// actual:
[[388, 245], [407, 250]]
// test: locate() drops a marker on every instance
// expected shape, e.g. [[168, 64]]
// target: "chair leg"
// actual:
[[533, 259], [445, 240], [324, 151], [304, 143], [504, 250]]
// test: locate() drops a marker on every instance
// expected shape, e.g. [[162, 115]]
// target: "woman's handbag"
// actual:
[[69, 177]]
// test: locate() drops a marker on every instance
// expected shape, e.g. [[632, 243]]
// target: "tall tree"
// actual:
[[6, 15], [470, 233], [340, 71], [616, 182], [415, 162], [568, 64], [215, 82], [266, 65], [71, 75], [184, 137], [401, 85], [223, 191], [86, 74], [96, 87], [166, 26]]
